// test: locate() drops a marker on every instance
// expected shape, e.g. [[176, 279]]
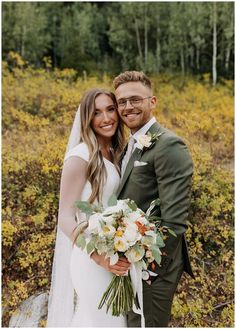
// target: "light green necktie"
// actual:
[[128, 154]]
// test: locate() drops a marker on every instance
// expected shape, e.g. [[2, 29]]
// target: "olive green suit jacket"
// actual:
[[167, 176]]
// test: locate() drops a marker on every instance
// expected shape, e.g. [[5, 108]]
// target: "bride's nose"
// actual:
[[106, 117]]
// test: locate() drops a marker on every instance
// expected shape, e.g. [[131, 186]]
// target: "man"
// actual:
[[162, 169]]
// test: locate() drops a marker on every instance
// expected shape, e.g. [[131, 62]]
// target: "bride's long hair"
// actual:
[[96, 173]]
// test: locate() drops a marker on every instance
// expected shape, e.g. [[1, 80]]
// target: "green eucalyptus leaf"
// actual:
[[97, 207], [159, 241], [171, 232], [112, 201], [156, 254], [155, 219], [132, 205], [85, 207], [80, 241], [90, 246]]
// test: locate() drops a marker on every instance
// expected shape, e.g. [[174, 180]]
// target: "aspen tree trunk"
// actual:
[[227, 57], [198, 58], [145, 37], [228, 48], [191, 55], [158, 46], [22, 51], [214, 69], [182, 60], [138, 41], [54, 49]]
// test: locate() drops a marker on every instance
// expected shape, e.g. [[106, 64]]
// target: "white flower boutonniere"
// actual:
[[145, 142]]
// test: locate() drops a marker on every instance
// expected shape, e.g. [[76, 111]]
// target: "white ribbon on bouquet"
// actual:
[[136, 279]]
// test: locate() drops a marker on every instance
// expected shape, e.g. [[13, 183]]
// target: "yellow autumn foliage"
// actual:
[[38, 109]]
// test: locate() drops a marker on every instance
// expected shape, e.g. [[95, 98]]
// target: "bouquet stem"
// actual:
[[119, 296]]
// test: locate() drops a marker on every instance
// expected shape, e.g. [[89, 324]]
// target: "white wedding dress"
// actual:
[[89, 279]]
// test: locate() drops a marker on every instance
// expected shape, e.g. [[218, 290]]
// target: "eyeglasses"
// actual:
[[134, 101]]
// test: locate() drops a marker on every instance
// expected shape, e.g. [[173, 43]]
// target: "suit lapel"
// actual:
[[154, 128], [136, 156]]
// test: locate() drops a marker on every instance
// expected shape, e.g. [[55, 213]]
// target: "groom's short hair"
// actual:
[[132, 76]]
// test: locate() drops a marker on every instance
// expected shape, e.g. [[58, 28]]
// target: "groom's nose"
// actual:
[[128, 105]]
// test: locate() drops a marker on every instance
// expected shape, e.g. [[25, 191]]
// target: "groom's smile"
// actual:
[[132, 115]]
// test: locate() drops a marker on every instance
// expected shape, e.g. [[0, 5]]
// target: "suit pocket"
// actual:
[[147, 169]]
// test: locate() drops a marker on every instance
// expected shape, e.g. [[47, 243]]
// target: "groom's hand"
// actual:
[[120, 268]]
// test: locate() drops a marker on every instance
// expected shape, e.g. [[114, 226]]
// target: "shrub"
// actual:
[[38, 110]]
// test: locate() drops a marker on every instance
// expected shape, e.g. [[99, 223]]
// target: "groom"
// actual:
[[162, 169]]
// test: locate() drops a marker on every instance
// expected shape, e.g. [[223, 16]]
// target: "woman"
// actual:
[[90, 173]]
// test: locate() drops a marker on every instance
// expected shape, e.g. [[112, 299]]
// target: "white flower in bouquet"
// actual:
[[136, 216], [135, 254], [111, 219], [132, 234], [108, 230], [94, 225], [121, 244], [121, 206]]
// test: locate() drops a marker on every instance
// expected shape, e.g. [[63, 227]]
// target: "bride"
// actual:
[[90, 173]]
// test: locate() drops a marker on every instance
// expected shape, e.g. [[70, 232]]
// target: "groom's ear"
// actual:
[[153, 102]]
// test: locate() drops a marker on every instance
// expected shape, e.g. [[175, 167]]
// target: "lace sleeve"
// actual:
[[73, 180]]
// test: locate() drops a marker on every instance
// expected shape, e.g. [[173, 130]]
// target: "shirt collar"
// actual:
[[145, 128]]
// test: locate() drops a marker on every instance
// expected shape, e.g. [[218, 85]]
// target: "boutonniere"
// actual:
[[145, 142]]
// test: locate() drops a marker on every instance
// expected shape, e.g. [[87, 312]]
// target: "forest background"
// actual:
[[52, 53]]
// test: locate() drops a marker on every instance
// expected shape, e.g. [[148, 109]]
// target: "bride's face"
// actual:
[[105, 120]]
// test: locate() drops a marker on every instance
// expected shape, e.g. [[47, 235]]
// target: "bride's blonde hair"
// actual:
[[96, 173]]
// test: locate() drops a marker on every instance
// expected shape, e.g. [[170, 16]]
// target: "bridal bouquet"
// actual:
[[122, 230]]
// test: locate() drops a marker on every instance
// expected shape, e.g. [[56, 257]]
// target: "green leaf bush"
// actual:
[[38, 110]]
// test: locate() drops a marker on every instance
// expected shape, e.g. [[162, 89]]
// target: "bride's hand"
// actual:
[[120, 268]]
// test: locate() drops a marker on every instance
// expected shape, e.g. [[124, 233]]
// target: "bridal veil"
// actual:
[[61, 295]]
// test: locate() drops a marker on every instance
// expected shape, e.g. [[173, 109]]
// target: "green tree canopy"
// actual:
[[113, 36]]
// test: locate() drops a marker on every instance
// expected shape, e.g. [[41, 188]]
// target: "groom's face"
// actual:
[[135, 104]]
